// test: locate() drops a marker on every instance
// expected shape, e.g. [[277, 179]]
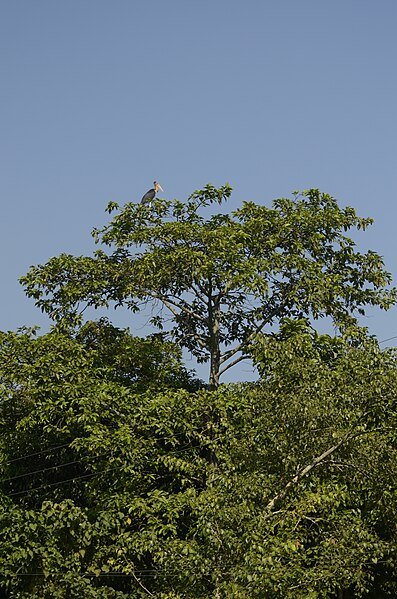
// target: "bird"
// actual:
[[149, 195]]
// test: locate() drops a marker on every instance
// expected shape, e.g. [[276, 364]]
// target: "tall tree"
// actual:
[[222, 278]]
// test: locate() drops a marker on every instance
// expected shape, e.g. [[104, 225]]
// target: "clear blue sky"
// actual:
[[99, 98]]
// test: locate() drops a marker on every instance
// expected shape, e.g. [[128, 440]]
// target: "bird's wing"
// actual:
[[149, 195]]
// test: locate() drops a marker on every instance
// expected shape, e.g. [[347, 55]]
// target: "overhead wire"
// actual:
[[68, 480], [30, 455], [88, 574], [12, 478], [49, 449], [389, 339], [89, 475], [143, 572]]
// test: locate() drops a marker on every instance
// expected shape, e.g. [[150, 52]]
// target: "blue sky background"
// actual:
[[98, 98]]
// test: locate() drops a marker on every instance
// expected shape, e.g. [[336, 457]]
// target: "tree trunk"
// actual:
[[214, 313], [214, 370]]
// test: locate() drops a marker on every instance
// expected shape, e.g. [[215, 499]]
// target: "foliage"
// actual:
[[107, 490], [74, 436], [123, 476], [134, 361], [224, 278]]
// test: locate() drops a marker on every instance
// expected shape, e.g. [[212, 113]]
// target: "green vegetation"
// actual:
[[224, 279], [123, 476]]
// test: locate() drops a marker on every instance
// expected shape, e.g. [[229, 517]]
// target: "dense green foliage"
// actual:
[[122, 476], [107, 490]]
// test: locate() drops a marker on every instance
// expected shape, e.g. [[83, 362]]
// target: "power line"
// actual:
[[7, 480], [148, 573], [68, 480], [144, 573], [389, 339], [49, 449], [90, 475], [30, 455]]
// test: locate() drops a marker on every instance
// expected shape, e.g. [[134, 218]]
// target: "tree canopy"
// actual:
[[222, 278], [107, 490], [108, 483]]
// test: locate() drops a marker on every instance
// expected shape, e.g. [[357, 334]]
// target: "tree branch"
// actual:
[[180, 305], [199, 293], [276, 311], [171, 308], [142, 585], [231, 352], [302, 473], [316, 461], [236, 361]]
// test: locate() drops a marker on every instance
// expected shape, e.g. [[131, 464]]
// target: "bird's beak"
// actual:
[[159, 186]]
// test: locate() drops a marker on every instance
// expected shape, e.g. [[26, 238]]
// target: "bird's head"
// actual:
[[157, 186]]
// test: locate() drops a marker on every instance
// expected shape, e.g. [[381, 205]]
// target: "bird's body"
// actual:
[[150, 195]]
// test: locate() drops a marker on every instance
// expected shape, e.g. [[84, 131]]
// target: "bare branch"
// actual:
[[227, 355], [171, 308], [180, 305], [301, 473], [142, 585], [236, 361], [198, 291], [317, 461]]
